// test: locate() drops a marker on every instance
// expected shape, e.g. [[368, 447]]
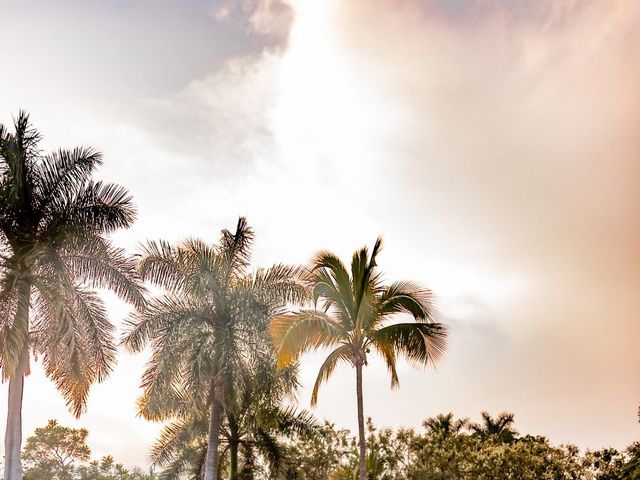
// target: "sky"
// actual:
[[495, 146]]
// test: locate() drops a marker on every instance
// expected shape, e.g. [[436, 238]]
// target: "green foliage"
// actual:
[[326, 455], [611, 464], [53, 451], [107, 469], [208, 322], [451, 449], [255, 430]]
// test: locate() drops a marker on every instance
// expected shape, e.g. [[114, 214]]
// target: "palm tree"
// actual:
[[256, 428], [445, 425], [499, 427], [252, 427], [258, 420], [53, 254], [350, 316], [207, 327]]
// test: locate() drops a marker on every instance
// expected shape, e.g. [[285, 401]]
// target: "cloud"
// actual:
[[270, 18], [220, 121], [508, 133]]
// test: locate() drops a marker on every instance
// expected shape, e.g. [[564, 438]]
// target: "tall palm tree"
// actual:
[[53, 254], [207, 327], [351, 314]]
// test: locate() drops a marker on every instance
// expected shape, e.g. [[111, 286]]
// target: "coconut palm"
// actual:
[[53, 253], [207, 328], [351, 314]]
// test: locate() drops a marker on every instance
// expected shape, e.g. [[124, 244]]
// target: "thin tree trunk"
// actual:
[[13, 433], [361, 437], [233, 448], [211, 462]]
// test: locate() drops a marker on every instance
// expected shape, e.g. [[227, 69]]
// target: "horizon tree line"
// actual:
[[215, 328], [446, 448]]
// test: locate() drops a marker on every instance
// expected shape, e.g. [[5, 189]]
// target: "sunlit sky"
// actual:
[[494, 144]]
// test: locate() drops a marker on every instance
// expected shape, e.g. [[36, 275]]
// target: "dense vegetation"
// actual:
[[445, 449], [61, 453], [225, 342]]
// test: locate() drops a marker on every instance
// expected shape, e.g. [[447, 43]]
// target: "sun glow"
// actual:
[[324, 103]]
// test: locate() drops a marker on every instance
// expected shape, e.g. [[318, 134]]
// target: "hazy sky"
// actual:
[[494, 144]]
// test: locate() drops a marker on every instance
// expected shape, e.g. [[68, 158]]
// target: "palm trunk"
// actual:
[[361, 437], [234, 443], [13, 433], [211, 462]]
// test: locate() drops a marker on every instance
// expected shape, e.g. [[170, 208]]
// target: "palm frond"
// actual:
[[75, 339], [407, 297], [98, 331], [64, 172], [306, 330], [14, 325], [158, 264], [161, 315], [342, 353], [420, 343], [99, 265], [96, 207], [362, 270], [388, 353], [331, 283], [279, 284], [235, 247], [331, 297], [176, 436]]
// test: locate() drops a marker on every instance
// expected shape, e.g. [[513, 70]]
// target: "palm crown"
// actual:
[[499, 427], [208, 327], [351, 313], [53, 253]]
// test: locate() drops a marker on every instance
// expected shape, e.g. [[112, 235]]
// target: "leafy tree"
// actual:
[[388, 453], [610, 464], [631, 468], [468, 455], [108, 469], [328, 454], [53, 253], [53, 451], [206, 329], [350, 314]]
